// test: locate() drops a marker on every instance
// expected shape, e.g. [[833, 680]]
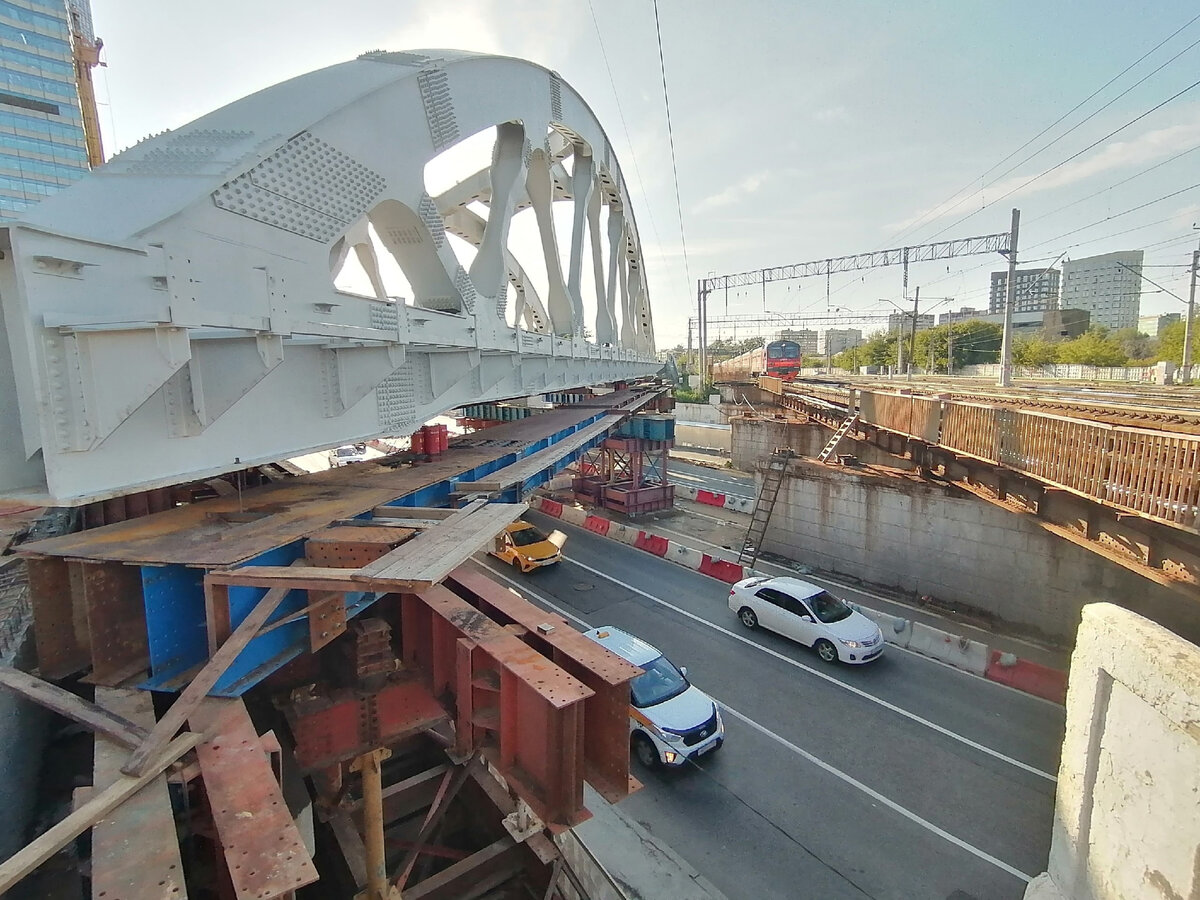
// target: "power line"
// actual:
[[662, 66], [1121, 74], [1072, 157], [624, 125]]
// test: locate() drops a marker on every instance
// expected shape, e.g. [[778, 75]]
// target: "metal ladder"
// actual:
[[752, 545], [843, 429]]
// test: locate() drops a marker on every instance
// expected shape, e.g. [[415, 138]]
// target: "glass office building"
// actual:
[[42, 144]]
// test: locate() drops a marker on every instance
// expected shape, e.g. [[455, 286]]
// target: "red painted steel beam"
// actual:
[[524, 710], [606, 715]]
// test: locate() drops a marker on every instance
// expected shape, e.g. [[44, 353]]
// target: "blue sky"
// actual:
[[802, 131]]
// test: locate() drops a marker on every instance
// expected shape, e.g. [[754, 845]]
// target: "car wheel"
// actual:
[[516, 564], [826, 651], [645, 751], [749, 619]]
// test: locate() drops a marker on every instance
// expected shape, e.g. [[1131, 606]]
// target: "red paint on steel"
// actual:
[[552, 508], [417, 442], [597, 524], [651, 543], [721, 569], [710, 498], [1030, 677]]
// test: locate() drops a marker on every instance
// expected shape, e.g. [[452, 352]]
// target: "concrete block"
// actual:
[[623, 533], [941, 645], [686, 491], [739, 504], [574, 515], [684, 556], [896, 629]]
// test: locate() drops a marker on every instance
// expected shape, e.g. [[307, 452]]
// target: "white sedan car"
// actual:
[[808, 614]]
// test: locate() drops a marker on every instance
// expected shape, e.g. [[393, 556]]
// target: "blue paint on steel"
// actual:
[[178, 640]]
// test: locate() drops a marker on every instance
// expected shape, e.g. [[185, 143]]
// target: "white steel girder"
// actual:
[[174, 315]]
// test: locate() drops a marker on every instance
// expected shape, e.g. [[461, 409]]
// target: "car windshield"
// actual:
[[346, 451], [526, 536], [661, 681], [827, 607]]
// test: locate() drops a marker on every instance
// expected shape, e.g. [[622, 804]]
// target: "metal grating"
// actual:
[[307, 187], [556, 108], [439, 107], [433, 220]]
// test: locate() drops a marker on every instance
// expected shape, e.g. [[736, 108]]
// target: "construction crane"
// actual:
[[85, 48], [1002, 242]]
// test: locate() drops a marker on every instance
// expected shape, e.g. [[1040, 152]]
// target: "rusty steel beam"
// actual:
[[261, 843], [116, 620], [332, 726], [606, 715], [524, 710], [59, 621]]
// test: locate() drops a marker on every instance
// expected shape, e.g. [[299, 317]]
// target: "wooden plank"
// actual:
[[433, 555], [38, 851], [351, 844], [195, 692], [135, 852], [263, 848], [115, 727], [526, 468], [311, 578], [434, 513]]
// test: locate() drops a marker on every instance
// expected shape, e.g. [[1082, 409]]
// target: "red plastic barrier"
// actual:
[[710, 498], [1030, 677], [651, 543], [552, 508], [722, 569], [597, 524]]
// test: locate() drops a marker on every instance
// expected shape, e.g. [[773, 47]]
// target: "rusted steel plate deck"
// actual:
[[135, 853], [263, 848], [227, 530]]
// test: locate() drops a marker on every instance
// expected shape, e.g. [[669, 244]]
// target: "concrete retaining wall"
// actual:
[[755, 438], [706, 437], [929, 539], [700, 413], [1128, 796]]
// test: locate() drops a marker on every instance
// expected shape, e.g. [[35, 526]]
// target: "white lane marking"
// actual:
[[875, 795], [837, 773], [829, 678], [838, 585]]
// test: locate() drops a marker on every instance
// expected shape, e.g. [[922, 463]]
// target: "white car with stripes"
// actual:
[[671, 721]]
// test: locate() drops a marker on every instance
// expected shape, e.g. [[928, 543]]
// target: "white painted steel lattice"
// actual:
[[174, 315]]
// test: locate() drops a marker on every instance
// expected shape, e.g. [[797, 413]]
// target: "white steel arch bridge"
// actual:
[[174, 315]]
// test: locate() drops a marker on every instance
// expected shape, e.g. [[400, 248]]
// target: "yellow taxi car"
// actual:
[[526, 548]]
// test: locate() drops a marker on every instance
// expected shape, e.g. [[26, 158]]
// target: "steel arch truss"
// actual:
[[175, 315]]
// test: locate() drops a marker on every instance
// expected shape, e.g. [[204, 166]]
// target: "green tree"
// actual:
[[1170, 343], [727, 348], [1135, 344], [1034, 351], [1096, 347]]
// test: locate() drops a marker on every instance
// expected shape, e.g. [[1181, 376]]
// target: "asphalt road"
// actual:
[[902, 779]]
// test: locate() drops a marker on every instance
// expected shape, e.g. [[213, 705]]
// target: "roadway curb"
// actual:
[[955, 650]]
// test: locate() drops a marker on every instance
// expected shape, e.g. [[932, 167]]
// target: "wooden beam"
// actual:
[[102, 721], [198, 689], [38, 851], [312, 578], [135, 851]]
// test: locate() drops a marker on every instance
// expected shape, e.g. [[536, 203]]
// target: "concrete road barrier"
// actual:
[[684, 556], [961, 652], [1030, 677]]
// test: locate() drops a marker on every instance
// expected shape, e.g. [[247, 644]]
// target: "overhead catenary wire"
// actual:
[[662, 66], [937, 209]]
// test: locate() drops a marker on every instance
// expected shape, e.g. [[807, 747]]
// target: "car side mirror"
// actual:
[[683, 671], [806, 618]]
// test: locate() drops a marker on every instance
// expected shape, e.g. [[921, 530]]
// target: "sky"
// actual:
[[801, 131]]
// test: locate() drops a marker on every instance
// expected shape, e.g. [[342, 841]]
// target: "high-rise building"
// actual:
[[897, 321], [1108, 286], [839, 339], [1153, 324], [965, 314], [1037, 291], [805, 337], [43, 147]]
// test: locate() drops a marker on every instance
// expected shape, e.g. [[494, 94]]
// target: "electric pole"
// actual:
[[1187, 327], [1009, 300], [912, 354], [950, 349]]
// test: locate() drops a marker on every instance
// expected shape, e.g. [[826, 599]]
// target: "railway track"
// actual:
[[1157, 408]]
